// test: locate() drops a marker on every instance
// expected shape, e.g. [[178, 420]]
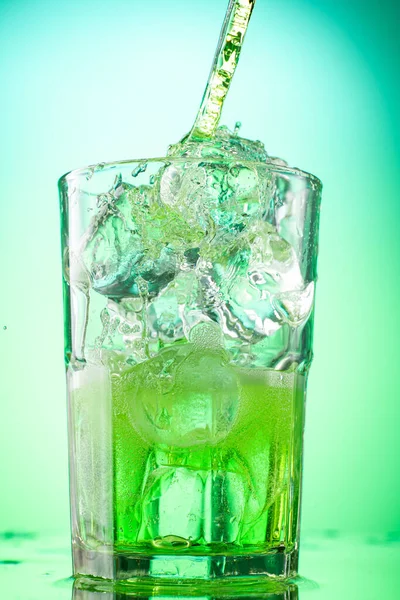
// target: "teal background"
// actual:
[[84, 82]]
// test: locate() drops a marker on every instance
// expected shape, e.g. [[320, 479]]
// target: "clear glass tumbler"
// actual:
[[189, 292]]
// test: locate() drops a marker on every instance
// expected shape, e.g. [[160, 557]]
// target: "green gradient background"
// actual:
[[84, 82]]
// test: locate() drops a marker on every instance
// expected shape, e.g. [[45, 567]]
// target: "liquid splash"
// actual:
[[223, 69]]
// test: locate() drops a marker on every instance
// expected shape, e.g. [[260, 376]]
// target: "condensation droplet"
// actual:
[[5, 327], [102, 199], [238, 125], [139, 169]]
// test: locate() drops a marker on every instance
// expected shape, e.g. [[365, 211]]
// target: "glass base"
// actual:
[[186, 569], [86, 588]]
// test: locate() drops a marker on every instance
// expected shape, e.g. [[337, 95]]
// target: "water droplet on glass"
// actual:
[[105, 316], [152, 179], [117, 183], [102, 199], [5, 327], [238, 125], [139, 169], [89, 174]]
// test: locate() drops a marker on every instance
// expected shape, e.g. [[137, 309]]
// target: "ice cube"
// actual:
[[182, 397], [173, 313], [273, 263], [216, 196], [191, 496], [135, 245], [295, 306], [245, 282], [171, 505]]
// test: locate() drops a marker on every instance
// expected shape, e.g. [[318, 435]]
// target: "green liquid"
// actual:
[[206, 459], [225, 62]]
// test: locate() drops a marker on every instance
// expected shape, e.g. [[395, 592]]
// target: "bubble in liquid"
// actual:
[[206, 335], [171, 541]]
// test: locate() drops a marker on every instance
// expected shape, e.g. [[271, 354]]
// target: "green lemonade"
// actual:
[[205, 459], [202, 456]]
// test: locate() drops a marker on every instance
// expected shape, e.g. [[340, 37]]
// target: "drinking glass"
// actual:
[[189, 288]]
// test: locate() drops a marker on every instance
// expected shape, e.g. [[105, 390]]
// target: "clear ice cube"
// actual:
[[249, 283], [135, 244], [182, 397], [216, 196], [187, 499]]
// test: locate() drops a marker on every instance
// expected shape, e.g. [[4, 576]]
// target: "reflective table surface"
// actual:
[[333, 567]]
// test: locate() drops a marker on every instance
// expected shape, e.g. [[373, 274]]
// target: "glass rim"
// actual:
[[91, 170]]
